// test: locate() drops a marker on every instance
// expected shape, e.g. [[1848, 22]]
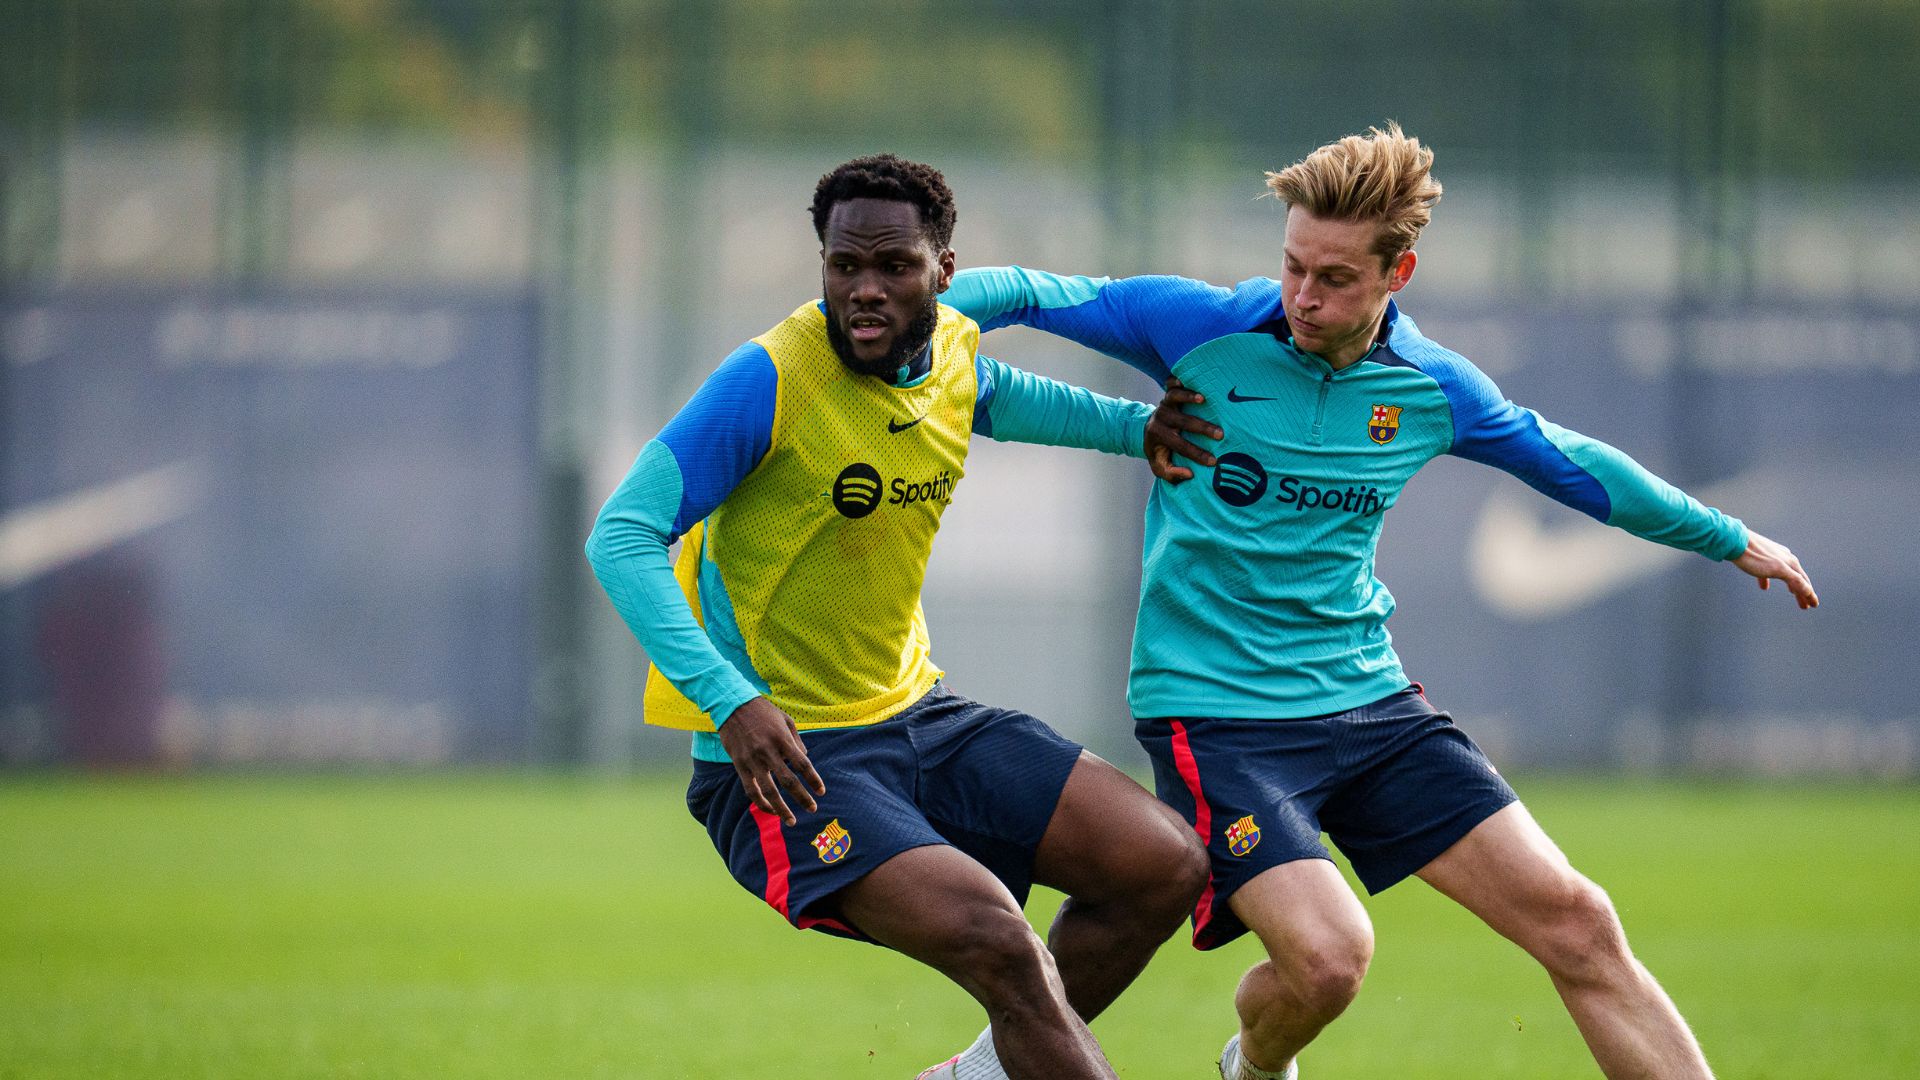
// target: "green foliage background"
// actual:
[[1821, 89]]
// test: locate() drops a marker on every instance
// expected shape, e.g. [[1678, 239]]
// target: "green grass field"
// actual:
[[551, 927]]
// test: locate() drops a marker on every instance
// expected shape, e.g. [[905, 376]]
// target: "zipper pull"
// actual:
[[1320, 411]]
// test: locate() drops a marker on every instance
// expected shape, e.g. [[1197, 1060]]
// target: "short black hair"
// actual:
[[884, 176]]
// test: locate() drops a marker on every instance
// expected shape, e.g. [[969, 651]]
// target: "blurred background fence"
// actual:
[[326, 325]]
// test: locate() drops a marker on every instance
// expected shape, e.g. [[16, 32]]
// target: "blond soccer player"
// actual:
[[1264, 684]]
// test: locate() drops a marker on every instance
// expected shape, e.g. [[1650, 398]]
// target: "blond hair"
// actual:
[[1380, 176]]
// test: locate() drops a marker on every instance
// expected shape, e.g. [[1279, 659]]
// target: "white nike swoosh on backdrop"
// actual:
[[1528, 570], [50, 534]]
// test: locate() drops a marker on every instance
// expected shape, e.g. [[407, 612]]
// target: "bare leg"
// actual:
[[1319, 942], [1514, 878], [1131, 870], [947, 911]]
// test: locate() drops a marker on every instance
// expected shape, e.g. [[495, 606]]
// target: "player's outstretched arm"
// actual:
[[1580, 471], [1080, 309], [1147, 323], [768, 755], [1011, 405], [1167, 431], [1769, 561]]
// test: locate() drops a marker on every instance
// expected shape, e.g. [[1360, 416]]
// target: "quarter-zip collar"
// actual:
[[1322, 370], [1281, 331], [915, 372]]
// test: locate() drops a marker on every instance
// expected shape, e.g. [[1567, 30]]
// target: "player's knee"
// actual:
[[1331, 970], [1322, 976], [1192, 875], [1181, 872], [1581, 939], [1163, 855], [1000, 960], [1155, 886]]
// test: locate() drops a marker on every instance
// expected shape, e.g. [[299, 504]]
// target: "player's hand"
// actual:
[[768, 754], [1167, 432], [1768, 561]]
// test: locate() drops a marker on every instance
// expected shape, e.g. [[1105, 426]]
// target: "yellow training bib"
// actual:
[[810, 571]]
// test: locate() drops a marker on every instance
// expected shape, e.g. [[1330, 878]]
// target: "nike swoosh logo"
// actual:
[[1234, 396], [47, 535], [895, 429], [1530, 571]]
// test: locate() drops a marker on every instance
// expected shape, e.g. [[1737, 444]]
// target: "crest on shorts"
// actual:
[[1243, 835], [833, 843], [1385, 424]]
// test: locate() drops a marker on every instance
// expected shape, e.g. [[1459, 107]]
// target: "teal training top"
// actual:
[[1258, 596]]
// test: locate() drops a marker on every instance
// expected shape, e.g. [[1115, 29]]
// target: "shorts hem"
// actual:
[[1380, 876], [806, 915], [1222, 926]]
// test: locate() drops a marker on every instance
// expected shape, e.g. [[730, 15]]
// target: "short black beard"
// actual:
[[906, 347]]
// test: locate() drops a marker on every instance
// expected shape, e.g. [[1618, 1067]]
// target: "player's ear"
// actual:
[[946, 264], [1402, 271]]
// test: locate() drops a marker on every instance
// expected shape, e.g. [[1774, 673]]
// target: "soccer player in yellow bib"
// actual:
[[837, 775]]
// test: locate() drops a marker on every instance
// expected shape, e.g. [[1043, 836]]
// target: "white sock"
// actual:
[[979, 1062], [1242, 1069]]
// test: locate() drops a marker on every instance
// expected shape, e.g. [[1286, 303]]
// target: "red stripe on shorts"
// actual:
[[808, 922], [773, 850], [1202, 817]]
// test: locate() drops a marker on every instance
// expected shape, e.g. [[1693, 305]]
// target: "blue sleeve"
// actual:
[[1012, 405], [1148, 323], [723, 432], [1581, 472], [678, 479]]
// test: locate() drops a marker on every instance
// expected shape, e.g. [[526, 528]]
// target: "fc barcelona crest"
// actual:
[[833, 843], [1243, 835], [1385, 423]]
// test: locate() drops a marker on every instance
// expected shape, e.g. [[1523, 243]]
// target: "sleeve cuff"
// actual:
[[1134, 428], [1738, 539], [734, 698]]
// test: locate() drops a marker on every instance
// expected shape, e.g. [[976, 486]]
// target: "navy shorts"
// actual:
[[1394, 783], [946, 770]]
